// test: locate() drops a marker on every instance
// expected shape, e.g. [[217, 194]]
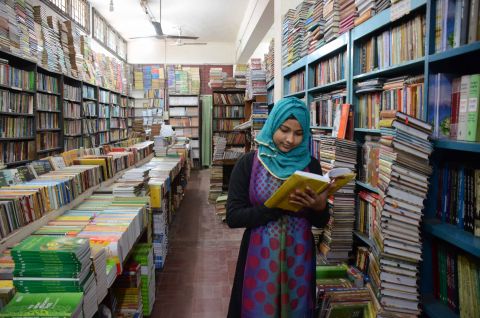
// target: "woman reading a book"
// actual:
[[275, 273]]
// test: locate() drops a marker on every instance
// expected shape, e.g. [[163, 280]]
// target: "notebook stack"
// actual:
[[404, 180], [336, 153], [55, 264]]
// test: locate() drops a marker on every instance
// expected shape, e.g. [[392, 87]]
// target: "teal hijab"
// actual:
[[283, 164]]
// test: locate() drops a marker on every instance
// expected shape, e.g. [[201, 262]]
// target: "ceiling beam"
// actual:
[[257, 21]]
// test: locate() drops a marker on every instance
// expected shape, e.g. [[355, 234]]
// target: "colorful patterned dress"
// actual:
[[279, 259]]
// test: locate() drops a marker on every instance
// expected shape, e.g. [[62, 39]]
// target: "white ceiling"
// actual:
[[210, 20]]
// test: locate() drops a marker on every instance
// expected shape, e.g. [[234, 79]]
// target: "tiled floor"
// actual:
[[200, 265]]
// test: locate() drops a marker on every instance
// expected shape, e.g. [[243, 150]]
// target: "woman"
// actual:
[[276, 264]]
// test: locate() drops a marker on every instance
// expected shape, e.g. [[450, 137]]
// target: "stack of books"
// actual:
[[220, 206], [55, 264], [315, 25], [339, 153], [51, 304], [128, 293], [331, 14], [287, 31], [143, 255], [348, 13], [216, 77], [216, 183], [404, 181]]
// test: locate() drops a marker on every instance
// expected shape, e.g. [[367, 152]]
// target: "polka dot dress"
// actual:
[[279, 266]]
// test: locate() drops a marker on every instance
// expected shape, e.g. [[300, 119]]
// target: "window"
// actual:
[[108, 37], [75, 10]]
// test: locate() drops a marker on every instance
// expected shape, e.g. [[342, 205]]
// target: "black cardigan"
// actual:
[[240, 212]]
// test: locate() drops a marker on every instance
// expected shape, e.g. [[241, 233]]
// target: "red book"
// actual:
[[455, 107], [342, 128]]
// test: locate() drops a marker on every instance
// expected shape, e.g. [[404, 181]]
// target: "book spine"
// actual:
[[462, 114]]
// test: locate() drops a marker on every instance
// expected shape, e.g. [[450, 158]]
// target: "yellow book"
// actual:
[[100, 162], [301, 179], [155, 194]]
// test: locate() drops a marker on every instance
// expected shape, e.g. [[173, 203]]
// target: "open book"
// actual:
[[301, 179]]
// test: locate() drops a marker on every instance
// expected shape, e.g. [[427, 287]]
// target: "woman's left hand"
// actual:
[[310, 199]]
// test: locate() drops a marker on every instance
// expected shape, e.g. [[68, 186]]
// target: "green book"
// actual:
[[473, 131], [60, 305], [54, 247]]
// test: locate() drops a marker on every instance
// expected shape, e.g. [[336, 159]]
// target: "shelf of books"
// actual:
[[130, 114], [48, 114], [103, 122], [121, 118], [184, 116], [89, 115], [17, 129], [425, 152], [72, 113]]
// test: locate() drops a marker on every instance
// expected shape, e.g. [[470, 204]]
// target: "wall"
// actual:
[[152, 51]]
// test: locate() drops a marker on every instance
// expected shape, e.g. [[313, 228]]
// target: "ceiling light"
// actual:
[[111, 6]]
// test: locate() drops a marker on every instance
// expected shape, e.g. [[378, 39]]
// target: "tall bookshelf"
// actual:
[[116, 112], [89, 115], [17, 89], [184, 117], [414, 71], [72, 113], [103, 122], [130, 113], [48, 115], [228, 112]]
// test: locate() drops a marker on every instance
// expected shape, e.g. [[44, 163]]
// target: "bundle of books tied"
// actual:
[[300, 180]]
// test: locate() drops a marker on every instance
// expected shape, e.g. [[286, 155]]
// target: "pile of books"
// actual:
[[348, 13], [143, 255], [331, 14], [216, 77], [127, 292], [338, 240], [216, 183], [220, 206], [52, 304], [314, 25], [403, 184], [55, 264]]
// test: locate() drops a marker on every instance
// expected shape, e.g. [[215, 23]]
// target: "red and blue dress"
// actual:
[[276, 264]]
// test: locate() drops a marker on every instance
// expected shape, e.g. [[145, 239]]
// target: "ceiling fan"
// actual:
[[179, 41], [158, 26]]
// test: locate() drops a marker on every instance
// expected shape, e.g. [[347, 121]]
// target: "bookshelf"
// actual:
[[103, 122], [130, 113], [89, 115], [72, 113], [228, 104], [123, 117], [184, 116], [454, 155], [17, 89]]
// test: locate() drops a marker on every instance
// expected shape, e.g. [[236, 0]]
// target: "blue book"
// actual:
[[461, 197]]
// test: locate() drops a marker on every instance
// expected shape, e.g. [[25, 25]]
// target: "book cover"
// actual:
[[473, 131], [301, 179], [463, 107], [44, 305]]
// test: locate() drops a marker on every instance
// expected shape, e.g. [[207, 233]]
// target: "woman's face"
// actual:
[[288, 136]]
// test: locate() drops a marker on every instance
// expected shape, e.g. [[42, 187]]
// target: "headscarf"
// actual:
[[283, 164]]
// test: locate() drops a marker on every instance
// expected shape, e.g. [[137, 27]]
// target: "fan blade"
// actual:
[[144, 37], [183, 37], [158, 28], [195, 43]]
